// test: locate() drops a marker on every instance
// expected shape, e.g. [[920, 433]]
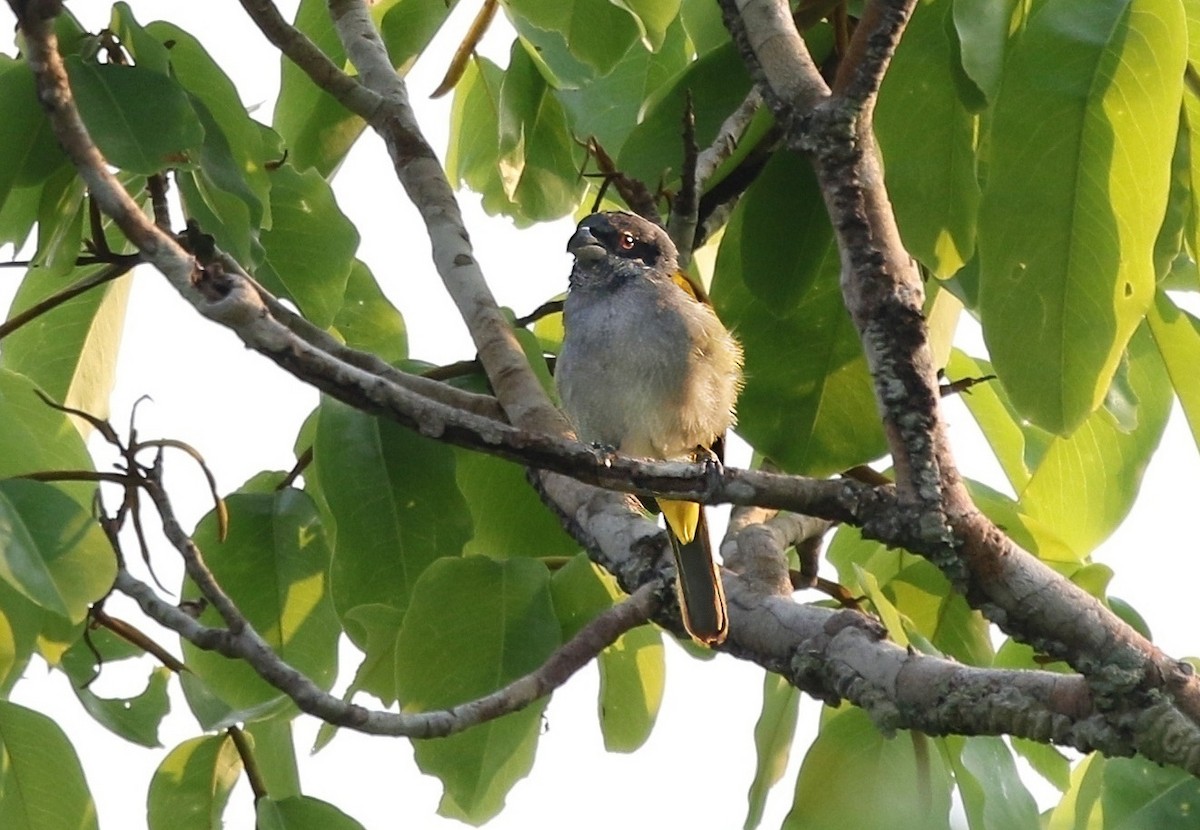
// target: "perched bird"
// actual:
[[648, 369]]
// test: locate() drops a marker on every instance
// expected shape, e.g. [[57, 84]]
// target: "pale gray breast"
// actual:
[[637, 369]]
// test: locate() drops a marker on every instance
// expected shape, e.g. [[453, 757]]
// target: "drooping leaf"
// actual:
[[51, 549], [1077, 183], [70, 351], [773, 734], [813, 412], [191, 786], [40, 776], [367, 320], [310, 245], [141, 120], [274, 565], [136, 717], [632, 670], [927, 138], [993, 795], [301, 813], [1085, 485], [910, 785], [396, 504], [474, 625]]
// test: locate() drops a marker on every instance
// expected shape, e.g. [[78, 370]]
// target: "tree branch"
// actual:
[[883, 292]]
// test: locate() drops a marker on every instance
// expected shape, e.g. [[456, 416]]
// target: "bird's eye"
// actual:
[[626, 242]]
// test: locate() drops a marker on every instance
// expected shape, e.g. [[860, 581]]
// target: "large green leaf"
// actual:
[[596, 32], [1081, 142], [1085, 484], [717, 83], [773, 734], [632, 670], [51, 549], [310, 245], [982, 27], [301, 813], [233, 155], [474, 625], [191, 786], [393, 496], [508, 517], [274, 565], [21, 622], [275, 751], [608, 108], [70, 351], [776, 286], [41, 781], [367, 320], [316, 129], [909, 783], [141, 120], [927, 138], [27, 144], [538, 159]]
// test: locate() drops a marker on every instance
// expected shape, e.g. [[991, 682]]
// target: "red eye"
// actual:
[[626, 242]]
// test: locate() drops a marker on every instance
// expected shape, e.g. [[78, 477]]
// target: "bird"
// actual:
[[648, 369]]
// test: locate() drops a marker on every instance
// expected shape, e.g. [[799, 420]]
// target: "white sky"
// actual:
[[242, 413]]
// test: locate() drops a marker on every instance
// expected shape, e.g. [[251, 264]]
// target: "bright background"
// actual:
[[243, 413]]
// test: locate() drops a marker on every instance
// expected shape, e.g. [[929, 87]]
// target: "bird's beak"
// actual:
[[584, 245]]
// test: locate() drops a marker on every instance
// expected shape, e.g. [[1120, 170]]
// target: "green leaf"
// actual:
[[70, 351], [773, 734], [993, 795], [474, 625], [301, 813], [1140, 794], [310, 245], [814, 412], [927, 139], [475, 132], [317, 130], [1011, 441], [982, 27], [146, 51], [1191, 122], [910, 786], [191, 786], [274, 566], [407, 26], [367, 320], [21, 622], [538, 159], [51, 549], [27, 143], [141, 120], [717, 82], [653, 18], [596, 32], [608, 107], [1177, 336], [395, 501], [135, 718], [1085, 485], [1077, 809], [632, 670], [1081, 143], [508, 517], [40, 775], [233, 155], [374, 628]]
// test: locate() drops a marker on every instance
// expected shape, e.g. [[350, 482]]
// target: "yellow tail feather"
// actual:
[[682, 516]]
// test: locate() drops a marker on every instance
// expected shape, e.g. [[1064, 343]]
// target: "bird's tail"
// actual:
[[701, 595]]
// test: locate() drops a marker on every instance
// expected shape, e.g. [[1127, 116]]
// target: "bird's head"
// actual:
[[614, 246]]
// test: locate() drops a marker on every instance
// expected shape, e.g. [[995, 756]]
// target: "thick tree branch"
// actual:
[[883, 292]]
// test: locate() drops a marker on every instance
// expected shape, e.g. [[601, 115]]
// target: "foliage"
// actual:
[[1043, 161]]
